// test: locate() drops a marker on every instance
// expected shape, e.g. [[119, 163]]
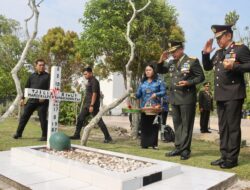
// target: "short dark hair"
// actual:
[[206, 83], [88, 69], [40, 60], [152, 65]]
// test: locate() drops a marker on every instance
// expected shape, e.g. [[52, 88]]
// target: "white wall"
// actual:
[[113, 88]]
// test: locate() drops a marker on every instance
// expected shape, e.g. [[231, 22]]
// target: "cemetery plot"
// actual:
[[126, 172]]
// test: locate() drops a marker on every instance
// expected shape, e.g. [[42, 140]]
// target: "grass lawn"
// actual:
[[202, 152]]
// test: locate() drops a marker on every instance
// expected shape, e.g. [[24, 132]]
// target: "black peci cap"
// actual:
[[219, 30]]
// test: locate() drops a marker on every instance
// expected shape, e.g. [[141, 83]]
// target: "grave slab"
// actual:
[[91, 174], [50, 176]]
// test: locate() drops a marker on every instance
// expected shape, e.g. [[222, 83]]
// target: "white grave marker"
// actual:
[[55, 96]]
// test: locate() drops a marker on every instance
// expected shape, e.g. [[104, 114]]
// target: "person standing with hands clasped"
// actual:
[[229, 63], [205, 105], [150, 92], [38, 80], [185, 73]]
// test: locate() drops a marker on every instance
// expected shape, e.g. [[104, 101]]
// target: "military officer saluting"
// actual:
[[229, 63], [185, 73]]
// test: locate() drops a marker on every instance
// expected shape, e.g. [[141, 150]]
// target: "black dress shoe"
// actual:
[[16, 136], [173, 153], [43, 139], [75, 137], [109, 140], [228, 164], [185, 155], [217, 162], [206, 132]]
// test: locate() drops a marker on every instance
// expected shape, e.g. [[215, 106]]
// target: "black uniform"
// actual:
[[206, 104], [230, 91], [36, 81], [91, 87], [183, 99]]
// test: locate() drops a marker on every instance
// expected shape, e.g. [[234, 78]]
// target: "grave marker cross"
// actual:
[[54, 95]]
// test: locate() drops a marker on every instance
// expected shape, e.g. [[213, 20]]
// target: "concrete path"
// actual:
[[123, 121]]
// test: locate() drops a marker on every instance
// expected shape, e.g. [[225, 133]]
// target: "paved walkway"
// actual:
[[123, 121]]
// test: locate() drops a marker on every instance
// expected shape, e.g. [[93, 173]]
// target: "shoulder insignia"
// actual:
[[192, 58], [238, 43]]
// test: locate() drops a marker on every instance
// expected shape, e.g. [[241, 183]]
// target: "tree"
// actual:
[[35, 13], [62, 46], [231, 18], [128, 72], [104, 23], [10, 49], [59, 47], [8, 26]]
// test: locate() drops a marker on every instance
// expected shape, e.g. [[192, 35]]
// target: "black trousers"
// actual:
[[149, 131], [229, 113], [82, 120], [29, 108], [205, 114], [164, 115], [183, 119]]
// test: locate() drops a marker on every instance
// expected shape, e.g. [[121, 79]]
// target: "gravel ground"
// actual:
[[112, 163]]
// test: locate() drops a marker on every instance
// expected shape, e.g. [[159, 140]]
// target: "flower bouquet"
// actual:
[[130, 109]]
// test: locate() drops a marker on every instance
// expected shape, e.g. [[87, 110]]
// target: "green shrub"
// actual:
[[68, 113]]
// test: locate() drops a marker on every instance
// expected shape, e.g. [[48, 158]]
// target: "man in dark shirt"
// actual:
[[38, 80], [230, 62], [205, 105], [91, 106]]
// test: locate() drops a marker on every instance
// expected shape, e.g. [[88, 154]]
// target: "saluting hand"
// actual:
[[208, 48], [163, 57], [91, 109]]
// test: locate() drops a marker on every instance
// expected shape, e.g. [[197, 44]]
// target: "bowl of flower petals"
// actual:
[[152, 110]]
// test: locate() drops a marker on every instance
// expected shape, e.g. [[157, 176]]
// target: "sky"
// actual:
[[195, 16]]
